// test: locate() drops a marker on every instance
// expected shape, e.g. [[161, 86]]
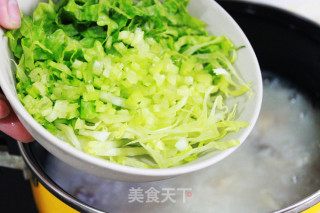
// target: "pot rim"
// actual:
[[49, 184]]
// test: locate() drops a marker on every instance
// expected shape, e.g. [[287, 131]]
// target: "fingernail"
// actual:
[[14, 13]]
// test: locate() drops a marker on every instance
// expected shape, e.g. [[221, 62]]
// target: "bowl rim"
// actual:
[[162, 172]]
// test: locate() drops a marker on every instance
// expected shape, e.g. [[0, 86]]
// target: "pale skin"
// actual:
[[9, 124]]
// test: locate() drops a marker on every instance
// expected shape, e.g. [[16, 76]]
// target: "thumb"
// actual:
[[10, 17]]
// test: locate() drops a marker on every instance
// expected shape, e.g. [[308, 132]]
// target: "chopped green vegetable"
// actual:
[[136, 83]]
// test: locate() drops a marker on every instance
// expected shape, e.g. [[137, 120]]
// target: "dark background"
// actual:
[[15, 191]]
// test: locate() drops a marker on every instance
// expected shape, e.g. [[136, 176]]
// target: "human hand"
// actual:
[[10, 19]]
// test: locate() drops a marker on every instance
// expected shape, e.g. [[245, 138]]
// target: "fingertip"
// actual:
[[11, 126], [4, 109], [12, 25], [25, 138]]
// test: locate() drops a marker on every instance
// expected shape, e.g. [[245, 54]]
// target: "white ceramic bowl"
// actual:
[[219, 23]]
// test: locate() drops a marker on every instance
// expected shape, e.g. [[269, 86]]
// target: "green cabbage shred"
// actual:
[[138, 83]]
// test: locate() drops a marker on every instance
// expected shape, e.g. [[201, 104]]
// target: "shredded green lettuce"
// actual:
[[138, 83]]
